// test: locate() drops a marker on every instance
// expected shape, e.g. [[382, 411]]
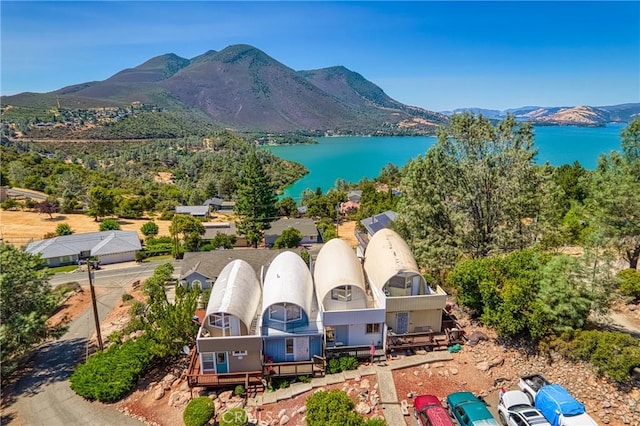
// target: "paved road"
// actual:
[[43, 396]]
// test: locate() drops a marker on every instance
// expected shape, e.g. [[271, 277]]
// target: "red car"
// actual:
[[430, 412]]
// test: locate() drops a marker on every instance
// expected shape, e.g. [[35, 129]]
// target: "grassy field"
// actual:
[[22, 227]]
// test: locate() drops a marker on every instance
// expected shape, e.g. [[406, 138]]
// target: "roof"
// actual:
[[380, 221], [387, 255], [305, 225], [215, 201], [213, 228], [193, 210], [335, 266], [211, 263], [99, 243], [288, 280], [354, 195], [515, 398], [236, 292]]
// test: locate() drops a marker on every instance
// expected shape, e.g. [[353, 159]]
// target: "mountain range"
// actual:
[[243, 88], [567, 116]]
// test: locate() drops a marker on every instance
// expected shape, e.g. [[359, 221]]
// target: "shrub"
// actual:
[[234, 417], [334, 366], [629, 282], [150, 229], [109, 375], [198, 411], [289, 238], [328, 407], [375, 421], [348, 363], [109, 225], [304, 379], [126, 297], [239, 390]]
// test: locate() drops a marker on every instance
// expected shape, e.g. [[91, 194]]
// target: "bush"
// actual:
[[329, 408], [289, 238], [234, 417], [239, 390], [343, 363], [198, 411], [375, 421], [334, 366], [126, 297], [629, 282], [109, 225], [109, 375]]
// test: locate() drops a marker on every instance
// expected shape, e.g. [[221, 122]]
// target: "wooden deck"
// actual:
[[359, 352], [315, 367], [249, 379]]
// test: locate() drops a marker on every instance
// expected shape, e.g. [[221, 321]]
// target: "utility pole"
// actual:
[[95, 306]]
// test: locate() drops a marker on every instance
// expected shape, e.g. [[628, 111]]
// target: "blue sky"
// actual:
[[437, 55]]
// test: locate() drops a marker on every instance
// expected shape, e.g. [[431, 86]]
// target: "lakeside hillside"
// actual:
[[244, 89], [588, 116]]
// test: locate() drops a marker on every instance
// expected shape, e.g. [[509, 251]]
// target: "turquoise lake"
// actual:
[[354, 157]]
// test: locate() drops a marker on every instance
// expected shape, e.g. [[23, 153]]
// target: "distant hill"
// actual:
[[244, 89], [566, 116]]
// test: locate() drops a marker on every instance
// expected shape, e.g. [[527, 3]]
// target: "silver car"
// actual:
[[514, 409]]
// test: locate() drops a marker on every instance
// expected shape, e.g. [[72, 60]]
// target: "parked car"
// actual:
[[514, 409], [555, 403], [428, 411], [469, 410]]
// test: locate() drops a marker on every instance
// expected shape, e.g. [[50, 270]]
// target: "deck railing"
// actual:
[[195, 378], [316, 366]]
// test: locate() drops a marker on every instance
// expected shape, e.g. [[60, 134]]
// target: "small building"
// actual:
[[372, 225], [211, 229], [106, 246], [398, 287], [355, 196], [227, 341], [220, 205], [352, 320], [201, 269], [306, 226], [291, 326], [200, 212]]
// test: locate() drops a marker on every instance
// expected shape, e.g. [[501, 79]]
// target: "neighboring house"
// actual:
[[291, 329], [227, 341], [306, 227], [372, 225], [107, 247], [202, 268], [220, 205], [195, 211], [211, 229], [397, 285], [348, 311], [355, 196], [349, 207]]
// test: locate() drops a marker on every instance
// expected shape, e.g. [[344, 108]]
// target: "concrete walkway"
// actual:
[[392, 408]]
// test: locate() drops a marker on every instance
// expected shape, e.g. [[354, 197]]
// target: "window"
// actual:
[[219, 320], [373, 328], [196, 285], [221, 357], [288, 346], [342, 293], [285, 313], [239, 353], [207, 361]]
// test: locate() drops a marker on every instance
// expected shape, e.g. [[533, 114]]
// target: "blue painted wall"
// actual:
[[275, 348]]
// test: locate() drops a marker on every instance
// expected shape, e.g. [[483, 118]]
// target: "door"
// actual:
[[221, 363], [402, 322], [342, 335], [301, 349]]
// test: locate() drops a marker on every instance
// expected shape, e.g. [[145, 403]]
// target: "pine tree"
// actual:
[[256, 202]]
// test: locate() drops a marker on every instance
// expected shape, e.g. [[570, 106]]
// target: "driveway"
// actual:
[[43, 396]]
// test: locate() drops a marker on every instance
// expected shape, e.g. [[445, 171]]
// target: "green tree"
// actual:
[[72, 187], [329, 234], [223, 241], [256, 201], [64, 229], [150, 229], [615, 195], [289, 238], [186, 232], [102, 202], [27, 303], [473, 193], [109, 225], [287, 207]]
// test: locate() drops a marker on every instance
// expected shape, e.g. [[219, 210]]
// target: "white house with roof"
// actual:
[[291, 324], [227, 340], [106, 246], [349, 313], [399, 287]]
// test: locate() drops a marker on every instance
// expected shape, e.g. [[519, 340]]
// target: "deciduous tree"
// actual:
[[64, 229]]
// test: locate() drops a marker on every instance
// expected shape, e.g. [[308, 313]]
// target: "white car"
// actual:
[[514, 409]]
